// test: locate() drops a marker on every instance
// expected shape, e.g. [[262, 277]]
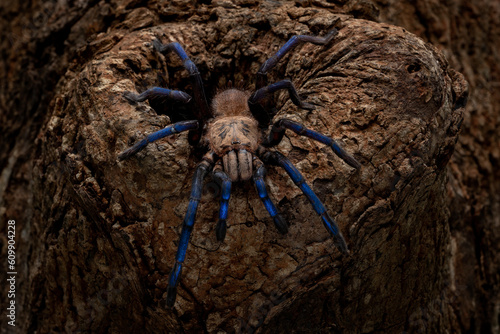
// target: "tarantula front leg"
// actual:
[[258, 178], [169, 130], [199, 174], [220, 229], [261, 103], [279, 159], [283, 84], [290, 45], [279, 128]]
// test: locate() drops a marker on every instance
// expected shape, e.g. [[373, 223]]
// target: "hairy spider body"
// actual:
[[234, 134], [231, 133]]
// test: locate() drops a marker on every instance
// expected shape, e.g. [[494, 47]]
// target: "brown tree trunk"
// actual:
[[96, 238]]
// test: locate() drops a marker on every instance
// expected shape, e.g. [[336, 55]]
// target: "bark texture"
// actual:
[[96, 238]]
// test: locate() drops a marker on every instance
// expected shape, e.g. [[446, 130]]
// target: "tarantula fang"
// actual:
[[231, 133]]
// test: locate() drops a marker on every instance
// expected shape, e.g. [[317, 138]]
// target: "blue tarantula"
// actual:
[[232, 133]]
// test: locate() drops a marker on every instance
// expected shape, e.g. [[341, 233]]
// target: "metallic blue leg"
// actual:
[[258, 178], [201, 110], [173, 279], [158, 92], [278, 130], [221, 227], [283, 84], [290, 45], [169, 130], [264, 110], [298, 179]]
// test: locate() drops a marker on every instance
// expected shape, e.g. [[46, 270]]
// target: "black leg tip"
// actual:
[[353, 162], [124, 155], [185, 97], [331, 35], [342, 246], [220, 230], [131, 97], [171, 295], [158, 45], [340, 243], [127, 153], [349, 159], [281, 224]]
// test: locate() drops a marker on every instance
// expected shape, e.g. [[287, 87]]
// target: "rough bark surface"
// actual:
[[96, 238]]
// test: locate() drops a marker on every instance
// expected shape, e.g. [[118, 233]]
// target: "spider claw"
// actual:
[[280, 224], [132, 150], [334, 230], [307, 106], [173, 280], [220, 230], [131, 97], [343, 249], [158, 45], [171, 295], [349, 159], [329, 37], [341, 244]]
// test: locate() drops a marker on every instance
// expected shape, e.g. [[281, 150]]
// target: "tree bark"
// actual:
[[96, 238]]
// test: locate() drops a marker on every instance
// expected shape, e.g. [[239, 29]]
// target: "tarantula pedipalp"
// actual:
[[236, 149]]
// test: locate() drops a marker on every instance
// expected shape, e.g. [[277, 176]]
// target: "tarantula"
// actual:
[[232, 134]]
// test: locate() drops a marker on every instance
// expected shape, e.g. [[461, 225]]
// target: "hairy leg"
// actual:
[[264, 110], [187, 227], [290, 45], [258, 177], [267, 91], [201, 110], [157, 93], [279, 159], [278, 131], [169, 130], [225, 181]]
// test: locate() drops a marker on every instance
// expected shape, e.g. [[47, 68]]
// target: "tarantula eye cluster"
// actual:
[[236, 147]]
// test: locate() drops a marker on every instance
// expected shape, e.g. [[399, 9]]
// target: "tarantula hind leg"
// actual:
[[258, 177], [279, 159], [265, 92], [278, 130], [168, 131], [187, 226], [158, 93], [225, 180]]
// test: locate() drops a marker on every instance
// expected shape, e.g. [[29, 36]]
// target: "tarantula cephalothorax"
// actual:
[[231, 134]]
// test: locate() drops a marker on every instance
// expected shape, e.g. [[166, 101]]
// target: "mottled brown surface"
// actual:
[[97, 238], [226, 132]]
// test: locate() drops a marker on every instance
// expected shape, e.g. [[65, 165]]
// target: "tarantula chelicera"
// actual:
[[232, 134]]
